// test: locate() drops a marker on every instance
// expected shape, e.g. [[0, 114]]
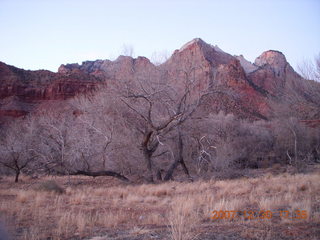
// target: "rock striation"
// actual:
[[249, 90]]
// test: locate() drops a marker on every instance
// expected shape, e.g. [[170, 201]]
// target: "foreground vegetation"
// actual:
[[81, 207]]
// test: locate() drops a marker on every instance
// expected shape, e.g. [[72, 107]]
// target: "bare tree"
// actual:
[[97, 131], [76, 139], [127, 50], [55, 143], [157, 58], [179, 159], [160, 109], [293, 137], [16, 147], [310, 70], [221, 144]]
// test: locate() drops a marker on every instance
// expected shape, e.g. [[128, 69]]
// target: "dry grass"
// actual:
[[183, 218], [88, 208]]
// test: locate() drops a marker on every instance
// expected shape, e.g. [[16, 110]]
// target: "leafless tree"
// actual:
[[160, 108], [158, 58], [16, 147], [97, 131], [294, 140], [222, 143], [76, 138], [179, 158], [310, 70], [127, 50]]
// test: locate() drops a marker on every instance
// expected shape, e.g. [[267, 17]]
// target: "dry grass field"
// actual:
[[102, 208]]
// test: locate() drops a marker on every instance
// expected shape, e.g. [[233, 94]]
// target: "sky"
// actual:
[[43, 34]]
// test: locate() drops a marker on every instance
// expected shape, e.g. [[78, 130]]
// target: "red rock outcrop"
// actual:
[[246, 89], [21, 90], [271, 74]]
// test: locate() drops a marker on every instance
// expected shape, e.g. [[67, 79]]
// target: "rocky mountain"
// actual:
[[256, 90], [22, 91]]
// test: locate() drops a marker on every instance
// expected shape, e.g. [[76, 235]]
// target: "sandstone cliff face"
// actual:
[[271, 74], [284, 87], [42, 85], [247, 66], [21, 91], [122, 67], [217, 70], [245, 89]]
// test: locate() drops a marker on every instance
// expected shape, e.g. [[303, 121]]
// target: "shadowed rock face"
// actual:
[[248, 90], [248, 67]]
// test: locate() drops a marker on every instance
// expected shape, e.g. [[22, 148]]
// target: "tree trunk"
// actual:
[[295, 145], [295, 149], [177, 161], [171, 169], [159, 174], [315, 155], [17, 175], [147, 156], [185, 169]]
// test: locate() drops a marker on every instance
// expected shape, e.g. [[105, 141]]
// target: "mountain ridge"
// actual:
[[270, 80]]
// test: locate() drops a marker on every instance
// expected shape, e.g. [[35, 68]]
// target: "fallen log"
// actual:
[[101, 173]]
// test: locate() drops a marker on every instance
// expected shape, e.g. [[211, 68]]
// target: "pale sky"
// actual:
[[42, 34]]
